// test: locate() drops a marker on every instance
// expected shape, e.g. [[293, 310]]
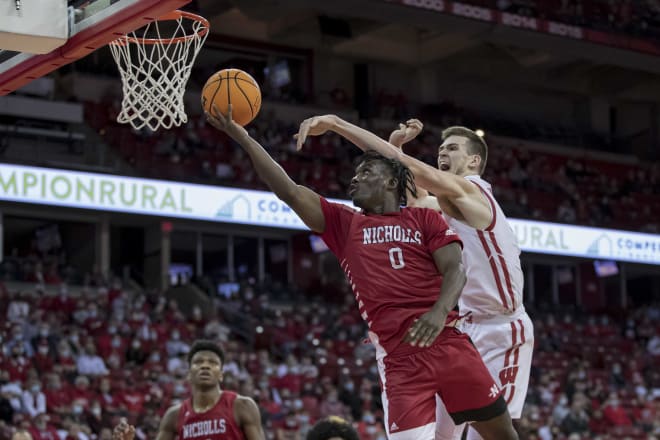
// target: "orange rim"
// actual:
[[174, 15]]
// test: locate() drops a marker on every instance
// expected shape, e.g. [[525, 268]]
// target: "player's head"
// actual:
[[332, 428], [21, 434], [462, 152], [205, 361], [378, 178]]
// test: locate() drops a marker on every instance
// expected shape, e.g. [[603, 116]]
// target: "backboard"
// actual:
[[92, 24]]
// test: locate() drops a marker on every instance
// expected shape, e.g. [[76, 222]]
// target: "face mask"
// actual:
[[43, 333], [112, 330], [35, 388], [77, 409], [43, 350]]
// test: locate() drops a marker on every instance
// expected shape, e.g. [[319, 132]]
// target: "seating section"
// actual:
[[72, 365], [529, 184]]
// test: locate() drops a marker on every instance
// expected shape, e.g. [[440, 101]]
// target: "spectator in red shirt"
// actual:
[[18, 364], [57, 396], [66, 364], [332, 406], [42, 430], [614, 413], [81, 392], [42, 359]]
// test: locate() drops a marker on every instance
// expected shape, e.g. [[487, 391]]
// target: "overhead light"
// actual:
[[479, 132]]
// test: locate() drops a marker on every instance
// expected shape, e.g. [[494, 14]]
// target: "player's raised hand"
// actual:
[[426, 328], [315, 126], [224, 123], [123, 431], [406, 132]]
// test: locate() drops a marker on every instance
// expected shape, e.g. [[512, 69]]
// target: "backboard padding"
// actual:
[[89, 34]]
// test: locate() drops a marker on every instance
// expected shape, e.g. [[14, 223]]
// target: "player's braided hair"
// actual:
[[400, 172]]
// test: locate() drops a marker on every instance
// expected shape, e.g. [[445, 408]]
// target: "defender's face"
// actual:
[[453, 155], [205, 369], [369, 185]]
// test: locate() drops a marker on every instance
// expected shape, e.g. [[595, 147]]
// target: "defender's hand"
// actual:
[[315, 126], [224, 123], [123, 431], [406, 132], [426, 328]]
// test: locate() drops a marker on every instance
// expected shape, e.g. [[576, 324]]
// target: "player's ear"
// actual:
[[392, 183], [475, 162]]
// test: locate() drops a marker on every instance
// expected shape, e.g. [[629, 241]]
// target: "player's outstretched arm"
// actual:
[[249, 418], [305, 202], [167, 427], [456, 195]]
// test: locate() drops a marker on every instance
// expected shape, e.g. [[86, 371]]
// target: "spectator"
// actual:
[[34, 400], [614, 413], [89, 363], [19, 308], [576, 421], [42, 430]]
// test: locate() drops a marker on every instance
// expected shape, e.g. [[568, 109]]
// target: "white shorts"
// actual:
[[506, 344]]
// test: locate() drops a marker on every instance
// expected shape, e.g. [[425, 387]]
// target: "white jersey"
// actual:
[[492, 262]]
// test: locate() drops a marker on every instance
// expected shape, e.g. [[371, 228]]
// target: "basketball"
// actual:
[[235, 87]]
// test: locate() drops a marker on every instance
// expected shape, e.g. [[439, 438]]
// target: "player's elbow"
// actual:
[[289, 194]]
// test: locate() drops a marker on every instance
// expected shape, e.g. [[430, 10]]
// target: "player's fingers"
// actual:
[[430, 337], [302, 134], [402, 126], [229, 110]]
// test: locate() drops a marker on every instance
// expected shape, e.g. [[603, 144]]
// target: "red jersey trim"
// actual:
[[493, 267], [505, 270]]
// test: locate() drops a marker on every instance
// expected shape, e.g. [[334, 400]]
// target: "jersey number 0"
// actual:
[[396, 258]]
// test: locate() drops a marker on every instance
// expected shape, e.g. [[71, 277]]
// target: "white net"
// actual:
[[154, 70]]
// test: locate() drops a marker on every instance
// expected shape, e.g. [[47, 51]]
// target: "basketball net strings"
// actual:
[[155, 76]]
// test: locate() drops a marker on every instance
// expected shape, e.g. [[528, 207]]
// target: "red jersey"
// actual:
[[388, 260], [218, 423]]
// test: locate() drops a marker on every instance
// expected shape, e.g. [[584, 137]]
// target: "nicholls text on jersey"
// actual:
[[390, 233], [204, 428]]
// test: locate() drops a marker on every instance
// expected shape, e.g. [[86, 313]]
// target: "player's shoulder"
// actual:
[[173, 411], [422, 212], [338, 206], [245, 407]]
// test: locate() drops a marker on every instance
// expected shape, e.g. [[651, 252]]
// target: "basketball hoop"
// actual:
[[154, 70]]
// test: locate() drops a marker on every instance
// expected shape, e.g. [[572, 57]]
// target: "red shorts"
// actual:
[[451, 368]]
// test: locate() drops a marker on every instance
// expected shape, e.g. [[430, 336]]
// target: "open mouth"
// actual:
[[444, 166], [352, 189]]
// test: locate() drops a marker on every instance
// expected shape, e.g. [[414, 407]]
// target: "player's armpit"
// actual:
[[249, 418], [167, 428], [474, 209]]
